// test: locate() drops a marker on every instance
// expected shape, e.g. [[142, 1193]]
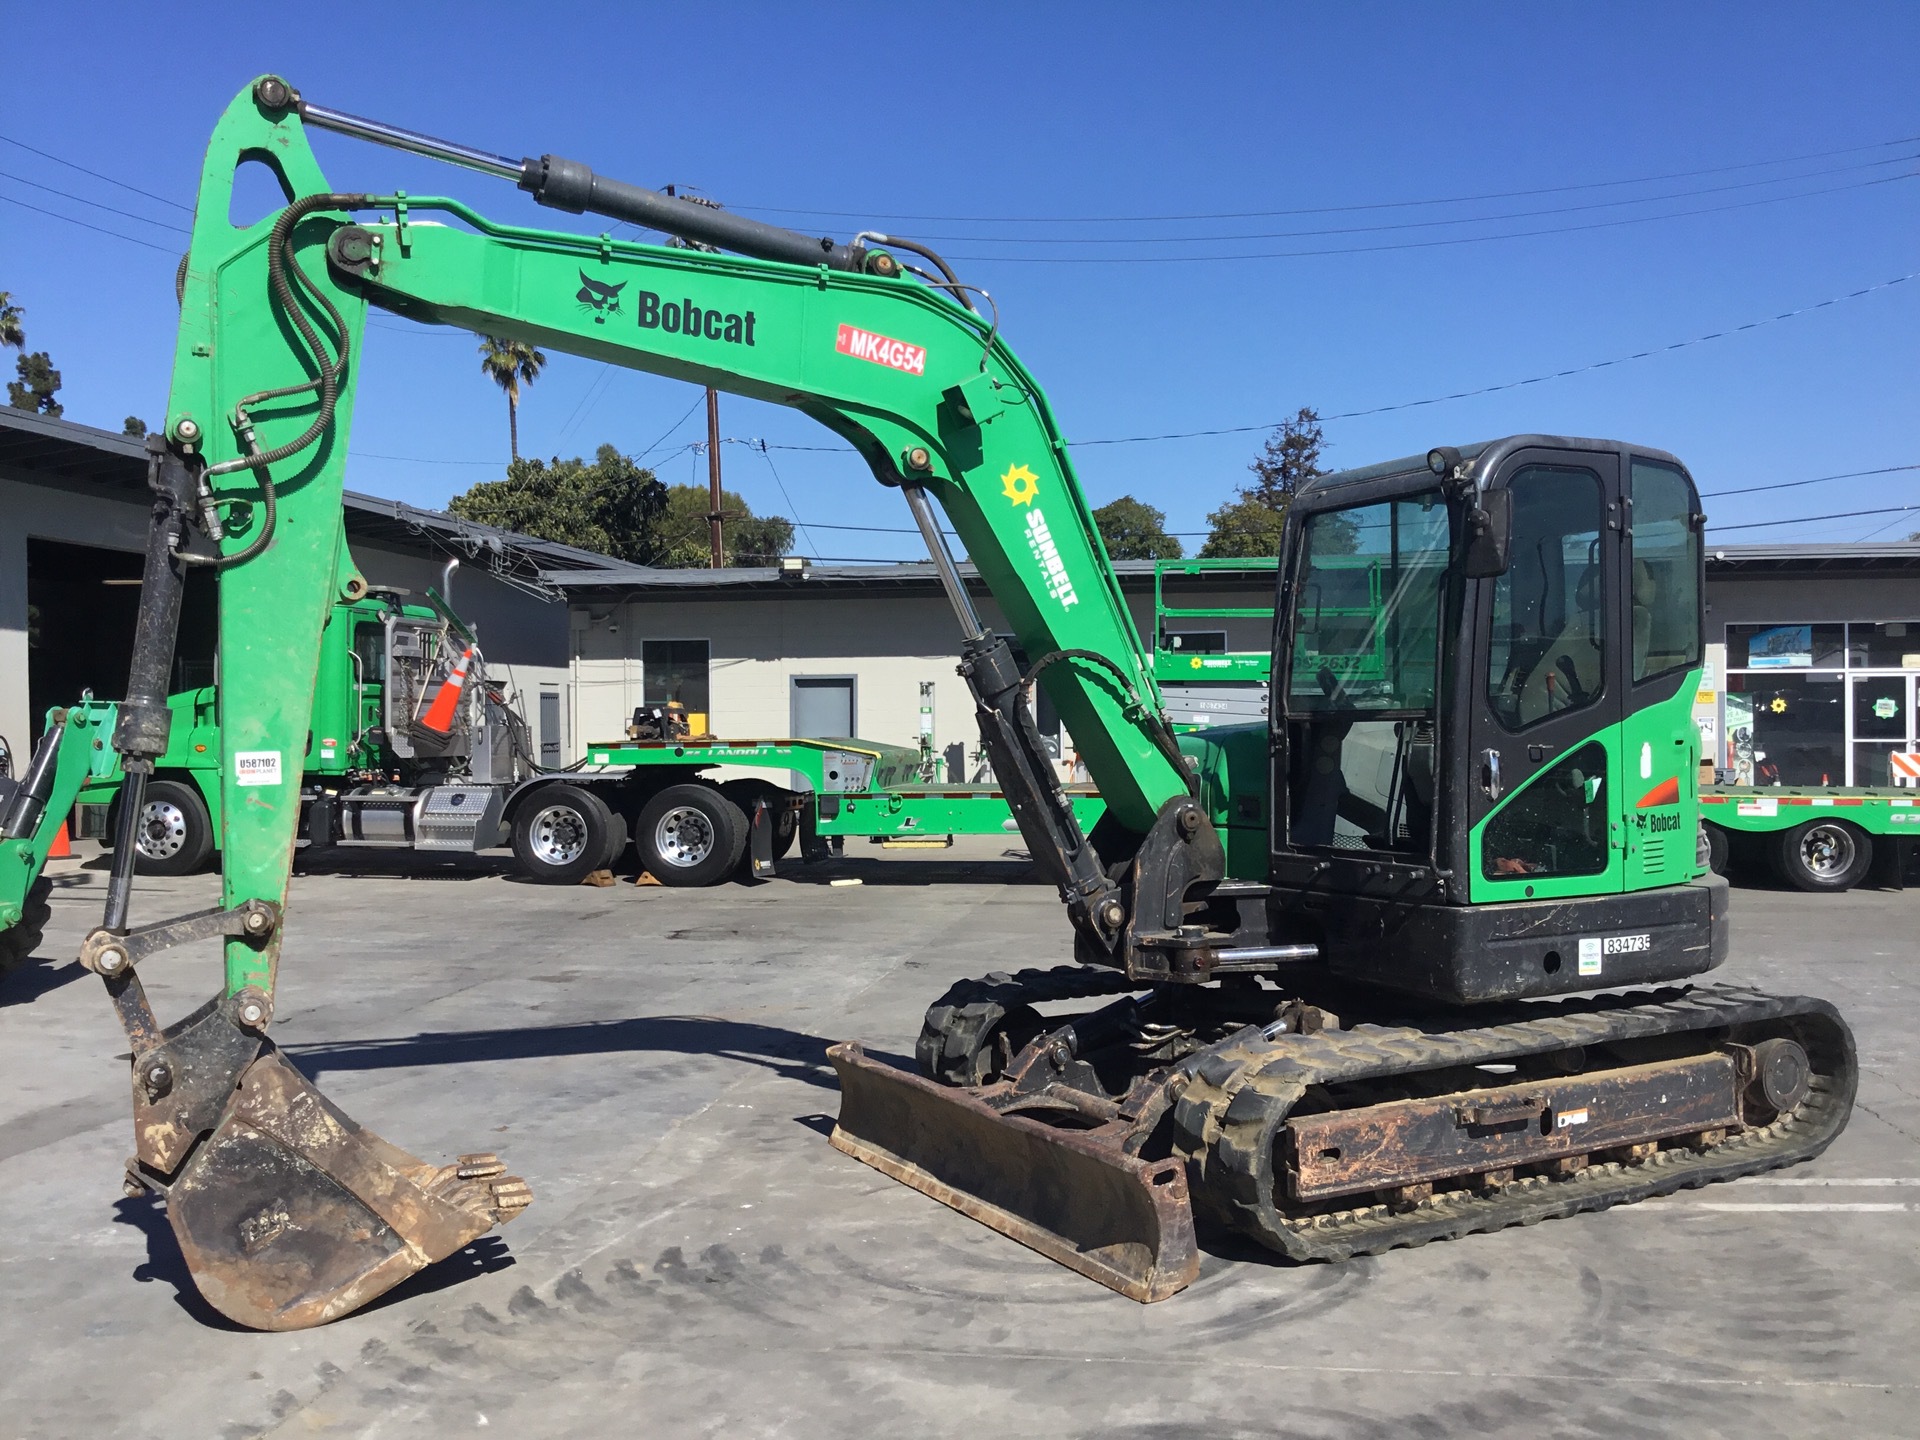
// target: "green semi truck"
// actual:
[[376, 774]]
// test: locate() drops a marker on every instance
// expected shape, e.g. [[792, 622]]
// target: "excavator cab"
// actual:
[[1482, 723]]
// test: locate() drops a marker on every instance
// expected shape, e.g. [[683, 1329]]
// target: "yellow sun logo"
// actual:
[[1020, 485], [1779, 706]]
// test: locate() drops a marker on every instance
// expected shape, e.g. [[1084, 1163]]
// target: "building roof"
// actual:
[[87, 461]]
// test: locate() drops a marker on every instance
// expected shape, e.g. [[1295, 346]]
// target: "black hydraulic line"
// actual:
[[1153, 721], [283, 269]]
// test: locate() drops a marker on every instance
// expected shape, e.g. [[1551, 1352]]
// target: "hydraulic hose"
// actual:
[[283, 270], [1153, 721]]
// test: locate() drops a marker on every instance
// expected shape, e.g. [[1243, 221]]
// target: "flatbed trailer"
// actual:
[[1817, 839], [827, 790]]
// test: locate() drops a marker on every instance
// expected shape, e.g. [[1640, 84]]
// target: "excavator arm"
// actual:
[[289, 1213]]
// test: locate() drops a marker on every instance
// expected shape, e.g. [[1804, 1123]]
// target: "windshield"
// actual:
[[1366, 633]]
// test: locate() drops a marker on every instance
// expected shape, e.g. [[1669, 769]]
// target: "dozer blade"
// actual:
[[1070, 1194], [290, 1215]]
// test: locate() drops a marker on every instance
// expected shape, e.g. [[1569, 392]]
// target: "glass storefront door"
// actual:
[[1880, 711]]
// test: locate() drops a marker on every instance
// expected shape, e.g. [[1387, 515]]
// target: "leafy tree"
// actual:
[[11, 332], [1250, 524], [511, 364], [1133, 530], [136, 427], [746, 538], [35, 388], [611, 505], [1243, 529]]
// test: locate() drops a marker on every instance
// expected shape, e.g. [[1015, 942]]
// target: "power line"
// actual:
[[1514, 384], [111, 209], [1216, 237], [71, 165], [1816, 480], [762, 449], [1420, 244], [1372, 410], [86, 225], [1815, 519], [1332, 209]]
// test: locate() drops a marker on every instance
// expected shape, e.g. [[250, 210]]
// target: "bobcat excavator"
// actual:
[[1316, 959]]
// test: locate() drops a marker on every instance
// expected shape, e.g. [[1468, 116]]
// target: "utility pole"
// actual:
[[713, 478]]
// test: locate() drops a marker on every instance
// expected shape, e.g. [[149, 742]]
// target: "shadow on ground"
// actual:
[[166, 1264], [786, 1052]]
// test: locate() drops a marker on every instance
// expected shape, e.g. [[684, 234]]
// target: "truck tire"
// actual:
[[1717, 848], [786, 820], [690, 835], [1824, 856], [619, 836], [19, 941], [175, 836], [561, 834]]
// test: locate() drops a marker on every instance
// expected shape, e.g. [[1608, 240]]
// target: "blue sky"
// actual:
[[1059, 113]]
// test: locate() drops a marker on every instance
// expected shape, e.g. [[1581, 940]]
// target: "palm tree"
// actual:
[[11, 332], [510, 364]]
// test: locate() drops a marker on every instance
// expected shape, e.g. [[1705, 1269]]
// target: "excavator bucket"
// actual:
[[1070, 1194], [290, 1215]]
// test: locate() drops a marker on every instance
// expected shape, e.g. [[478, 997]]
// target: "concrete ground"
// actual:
[[698, 1261]]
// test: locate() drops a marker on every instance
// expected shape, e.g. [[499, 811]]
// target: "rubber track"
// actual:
[[20, 940], [959, 1021], [1241, 1091]]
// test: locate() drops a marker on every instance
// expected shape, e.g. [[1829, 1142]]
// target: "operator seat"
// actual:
[[1568, 673]]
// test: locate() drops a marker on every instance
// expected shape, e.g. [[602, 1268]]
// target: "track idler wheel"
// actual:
[[288, 1213]]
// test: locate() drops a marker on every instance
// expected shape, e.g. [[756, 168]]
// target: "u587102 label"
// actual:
[[257, 767]]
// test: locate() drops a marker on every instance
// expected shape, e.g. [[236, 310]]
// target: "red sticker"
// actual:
[[894, 354], [1667, 792]]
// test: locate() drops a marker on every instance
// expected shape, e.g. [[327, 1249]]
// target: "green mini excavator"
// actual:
[[1338, 975]]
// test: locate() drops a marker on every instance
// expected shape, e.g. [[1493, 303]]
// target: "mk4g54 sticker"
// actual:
[[894, 354]]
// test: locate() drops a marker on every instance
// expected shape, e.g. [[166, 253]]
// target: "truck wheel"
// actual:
[[175, 835], [690, 835], [1823, 855], [786, 820], [19, 941], [561, 833], [1716, 839]]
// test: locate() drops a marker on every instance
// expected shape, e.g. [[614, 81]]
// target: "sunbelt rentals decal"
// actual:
[[1020, 485]]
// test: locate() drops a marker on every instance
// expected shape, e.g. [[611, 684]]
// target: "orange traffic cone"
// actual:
[[446, 704], [62, 847]]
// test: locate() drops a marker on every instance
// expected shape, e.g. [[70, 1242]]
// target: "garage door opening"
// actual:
[[81, 605]]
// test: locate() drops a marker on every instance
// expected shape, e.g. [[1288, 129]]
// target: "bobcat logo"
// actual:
[[599, 297]]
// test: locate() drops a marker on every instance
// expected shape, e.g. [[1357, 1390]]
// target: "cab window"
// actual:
[[1546, 651], [1666, 572]]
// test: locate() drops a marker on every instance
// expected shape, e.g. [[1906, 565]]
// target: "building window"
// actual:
[[1195, 642], [1819, 705], [675, 670]]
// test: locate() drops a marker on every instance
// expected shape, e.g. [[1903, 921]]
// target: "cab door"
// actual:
[[1545, 765]]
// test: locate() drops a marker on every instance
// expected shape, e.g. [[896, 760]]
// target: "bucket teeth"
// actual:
[[289, 1214]]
